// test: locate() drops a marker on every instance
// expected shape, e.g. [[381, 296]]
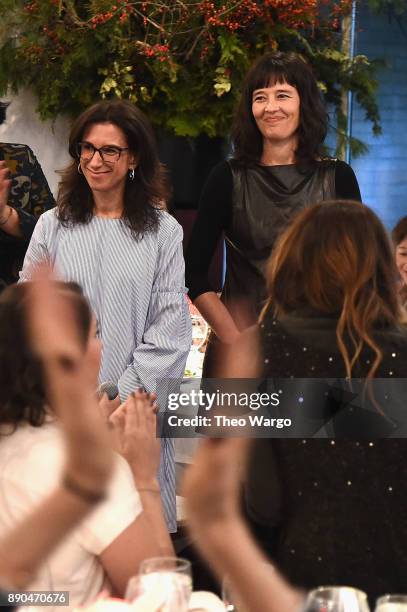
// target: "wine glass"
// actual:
[[170, 578], [336, 599], [391, 603], [140, 596]]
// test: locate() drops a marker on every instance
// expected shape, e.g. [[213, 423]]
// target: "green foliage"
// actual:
[[398, 7], [181, 62]]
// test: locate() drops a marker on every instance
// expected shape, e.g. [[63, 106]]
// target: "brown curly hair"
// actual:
[[22, 389]]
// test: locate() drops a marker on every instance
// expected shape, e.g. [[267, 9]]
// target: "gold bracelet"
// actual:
[[3, 222]]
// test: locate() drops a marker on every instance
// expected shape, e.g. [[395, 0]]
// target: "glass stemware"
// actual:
[[166, 580], [391, 603], [336, 599]]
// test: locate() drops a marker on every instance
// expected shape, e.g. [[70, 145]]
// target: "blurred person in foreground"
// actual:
[[68, 378], [104, 551], [399, 235], [326, 511], [24, 196], [212, 487], [110, 232]]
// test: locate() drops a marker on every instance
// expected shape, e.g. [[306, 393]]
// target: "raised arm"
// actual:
[[24, 195], [135, 427], [9, 219], [212, 490], [70, 380]]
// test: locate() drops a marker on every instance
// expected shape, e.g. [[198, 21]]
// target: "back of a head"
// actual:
[[22, 390], [332, 251], [336, 259]]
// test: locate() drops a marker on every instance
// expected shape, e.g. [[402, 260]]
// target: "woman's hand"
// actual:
[[134, 423], [70, 379], [69, 376], [108, 406], [5, 183], [9, 219]]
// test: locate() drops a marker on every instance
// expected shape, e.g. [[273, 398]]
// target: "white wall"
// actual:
[[48, 139]]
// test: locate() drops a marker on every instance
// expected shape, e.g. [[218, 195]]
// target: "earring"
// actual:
[[131, 174], [79, 168]]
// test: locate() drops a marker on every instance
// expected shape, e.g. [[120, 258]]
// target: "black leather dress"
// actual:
[[265, 200]]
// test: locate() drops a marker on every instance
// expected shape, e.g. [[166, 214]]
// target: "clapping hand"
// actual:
[[134, 423], [5, 183], [69, 371], [70, 368]]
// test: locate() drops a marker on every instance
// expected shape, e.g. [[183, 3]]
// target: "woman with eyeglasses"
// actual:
[[111, 234]]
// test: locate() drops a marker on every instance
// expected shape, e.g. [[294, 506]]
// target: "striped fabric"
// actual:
[[136, 290]]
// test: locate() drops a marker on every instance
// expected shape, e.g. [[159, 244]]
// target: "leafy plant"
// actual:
[[398, 7], [181, 61]]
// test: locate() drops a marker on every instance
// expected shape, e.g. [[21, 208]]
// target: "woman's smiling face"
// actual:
[[276, 110], [106, 175]]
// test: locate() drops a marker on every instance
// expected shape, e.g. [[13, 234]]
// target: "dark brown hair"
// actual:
[[336, 258], [22, 391], [398, 234], [144, 195], [399, 231], [268, 70]]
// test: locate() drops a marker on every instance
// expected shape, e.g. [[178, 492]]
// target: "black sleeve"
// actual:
[[214, 212], [346, 184]]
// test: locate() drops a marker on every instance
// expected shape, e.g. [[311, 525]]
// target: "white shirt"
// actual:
[[31, 460]]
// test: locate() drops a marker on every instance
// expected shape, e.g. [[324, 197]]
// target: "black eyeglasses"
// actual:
[[85, 150]]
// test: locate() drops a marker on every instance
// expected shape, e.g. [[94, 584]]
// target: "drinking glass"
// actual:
[[391, 603], [336, 599], [141, 597], [170, 578]]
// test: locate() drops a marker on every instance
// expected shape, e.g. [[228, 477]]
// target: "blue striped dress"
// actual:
[[136, 289]]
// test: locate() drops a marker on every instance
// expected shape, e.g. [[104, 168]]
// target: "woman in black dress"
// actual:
[[334, 511], [276, 170]]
